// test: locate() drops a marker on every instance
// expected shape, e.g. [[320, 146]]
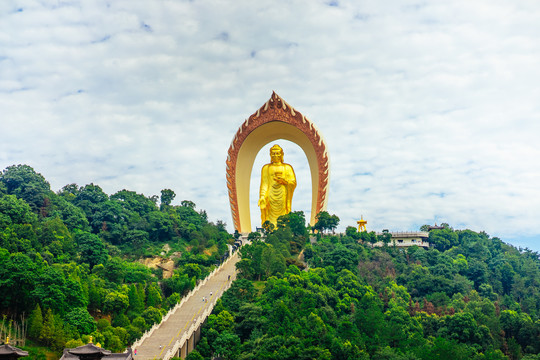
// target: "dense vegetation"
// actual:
[[71, 267], [468, 297], [69, 264]]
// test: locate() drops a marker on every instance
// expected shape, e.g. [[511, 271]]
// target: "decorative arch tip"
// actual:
[[281, 103]]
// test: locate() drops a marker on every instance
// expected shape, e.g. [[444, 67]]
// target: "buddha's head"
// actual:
[[276, 154]]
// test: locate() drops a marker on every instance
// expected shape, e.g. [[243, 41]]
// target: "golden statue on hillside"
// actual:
[[277, 186]]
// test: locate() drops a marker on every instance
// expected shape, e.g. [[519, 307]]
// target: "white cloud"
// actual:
[[430, 111]]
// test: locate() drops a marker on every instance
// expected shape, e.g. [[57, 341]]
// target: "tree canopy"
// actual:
[[71, 258], [468, 296]]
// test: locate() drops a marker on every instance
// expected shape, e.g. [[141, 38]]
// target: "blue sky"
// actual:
[[430, 109]]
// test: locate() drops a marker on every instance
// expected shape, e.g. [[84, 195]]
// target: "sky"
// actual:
[[430, 109]]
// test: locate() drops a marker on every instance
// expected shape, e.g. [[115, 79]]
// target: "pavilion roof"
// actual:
[[91, 351], [11, 351]]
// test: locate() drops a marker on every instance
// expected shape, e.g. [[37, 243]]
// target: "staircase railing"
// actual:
[[150, 331]]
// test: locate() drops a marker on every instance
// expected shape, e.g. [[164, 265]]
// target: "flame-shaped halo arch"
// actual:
[[274, 120]]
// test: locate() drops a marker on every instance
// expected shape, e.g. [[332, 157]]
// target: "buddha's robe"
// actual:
[[278, 196]]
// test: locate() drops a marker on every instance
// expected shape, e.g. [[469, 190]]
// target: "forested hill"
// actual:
[[71, 267], [70, 261], [468, 297]]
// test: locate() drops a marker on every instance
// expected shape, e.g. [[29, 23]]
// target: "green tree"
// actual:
[[167, 196], [251, 265], [325, 221], [111, 219], [224, 321], [48, 330], [478, 272], [188, 204], [134, 203], [136, 304], [268, 227], [241, 292], [69, 192], [96, 293], [90, 198], [444, 349], [296, 221], [194, 355], [507, 274], [114, 270], [60, 335], [272, 262], [102, 324], [352, 232], [511, 322], [81, 319], [35, 323], [23, 182], [17, 280], [54, 235], [139, 322], [15, 211], [121, 320], [249, 319], [161, 227], [116, 302], [19, 238], [254, 236], [178, 283], [443, 239], [91, 249], [341, 258], [153, 295], [151, 315], [385, 237], [55, 292], [72, 216], [463, 328], [227, 346], [73, 343], [137, 239], [388, 353]]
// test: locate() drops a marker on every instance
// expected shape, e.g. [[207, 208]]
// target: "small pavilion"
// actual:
[[8, 352], [93, 352], [362, 224]]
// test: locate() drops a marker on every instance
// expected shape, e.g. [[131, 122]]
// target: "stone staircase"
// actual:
[[179, 330]]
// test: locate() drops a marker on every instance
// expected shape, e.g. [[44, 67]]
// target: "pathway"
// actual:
[[163, 340]]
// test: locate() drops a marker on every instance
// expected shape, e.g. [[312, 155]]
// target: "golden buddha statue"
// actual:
[[277, 186]]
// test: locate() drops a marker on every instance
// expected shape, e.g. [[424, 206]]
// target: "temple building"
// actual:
[[399, 238], [93, 352], [406, 239]]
